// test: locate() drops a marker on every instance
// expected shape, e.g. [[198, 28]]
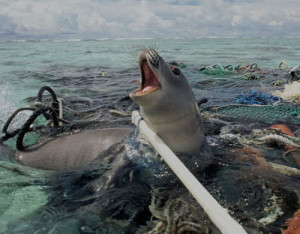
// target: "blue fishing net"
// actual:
[[256, 98]]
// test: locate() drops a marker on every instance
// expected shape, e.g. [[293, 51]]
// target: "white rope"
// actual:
[[214, 210], [60, 108]]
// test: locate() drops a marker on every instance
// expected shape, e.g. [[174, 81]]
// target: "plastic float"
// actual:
[[214, 210]]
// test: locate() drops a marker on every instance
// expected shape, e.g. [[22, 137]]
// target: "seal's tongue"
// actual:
[[149, 79]]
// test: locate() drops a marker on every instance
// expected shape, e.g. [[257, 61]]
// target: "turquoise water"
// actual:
[[90, 75], [21, 60]]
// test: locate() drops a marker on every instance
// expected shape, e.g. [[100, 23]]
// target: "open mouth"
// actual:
[[149, 82]]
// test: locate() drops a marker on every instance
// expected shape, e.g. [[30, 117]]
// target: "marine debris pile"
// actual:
[[250, 162], [262, 135]]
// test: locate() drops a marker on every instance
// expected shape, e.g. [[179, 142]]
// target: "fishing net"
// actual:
[[219, 70], [266, 114], [239, 177], [256, 98]]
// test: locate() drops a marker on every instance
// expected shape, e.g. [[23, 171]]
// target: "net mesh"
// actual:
[[266, 114]]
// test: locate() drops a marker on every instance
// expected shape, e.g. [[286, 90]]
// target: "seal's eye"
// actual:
[[175, 70]]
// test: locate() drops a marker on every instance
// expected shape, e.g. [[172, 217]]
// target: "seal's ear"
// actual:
[[175, 70]]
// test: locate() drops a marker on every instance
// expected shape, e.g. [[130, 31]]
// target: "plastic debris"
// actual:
[[286, 66], [291, 92], [177, 64], [256, 98], [293, 224], [251, 76], [295, 73], [218, 70]]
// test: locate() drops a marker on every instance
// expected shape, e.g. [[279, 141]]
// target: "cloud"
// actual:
[[133, 18]]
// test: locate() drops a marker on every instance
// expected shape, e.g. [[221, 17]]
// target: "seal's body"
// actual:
[[71, 151], [168, 104]]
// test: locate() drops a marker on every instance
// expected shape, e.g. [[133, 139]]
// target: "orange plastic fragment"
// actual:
[[283, 128], [293, 224]]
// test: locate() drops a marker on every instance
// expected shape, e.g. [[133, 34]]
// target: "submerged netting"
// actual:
[[266, 114]]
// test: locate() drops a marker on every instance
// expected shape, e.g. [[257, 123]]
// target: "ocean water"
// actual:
[[93, 75]]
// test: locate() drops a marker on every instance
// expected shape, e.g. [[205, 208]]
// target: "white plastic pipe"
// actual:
[[214, 210]]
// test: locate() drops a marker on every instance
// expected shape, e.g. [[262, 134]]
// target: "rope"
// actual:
[[253, 66], [9, 135], [286, 66], [12, 116], [118, 113], [42, 105], [272, 138], [25, 128], [53, 112], [50, 90], [229, 67], [54, 103], [202, 101]]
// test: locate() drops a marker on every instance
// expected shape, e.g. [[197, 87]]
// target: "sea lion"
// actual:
[[71, 151], [167, 103]]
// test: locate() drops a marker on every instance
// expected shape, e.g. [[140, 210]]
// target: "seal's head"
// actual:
[[167, 103], [158, 79]]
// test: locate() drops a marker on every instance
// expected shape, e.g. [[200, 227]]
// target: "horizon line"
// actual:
[[144, 38]]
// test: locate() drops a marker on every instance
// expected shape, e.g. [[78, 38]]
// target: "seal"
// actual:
[[71, 151], [168, 104]]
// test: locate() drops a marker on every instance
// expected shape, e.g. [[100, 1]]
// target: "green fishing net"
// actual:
[[260, 113]]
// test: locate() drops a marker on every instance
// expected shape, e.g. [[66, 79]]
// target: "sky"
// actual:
[[96, 19]]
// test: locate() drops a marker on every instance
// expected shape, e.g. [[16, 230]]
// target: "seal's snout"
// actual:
[[148, 60], [149, 55]]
